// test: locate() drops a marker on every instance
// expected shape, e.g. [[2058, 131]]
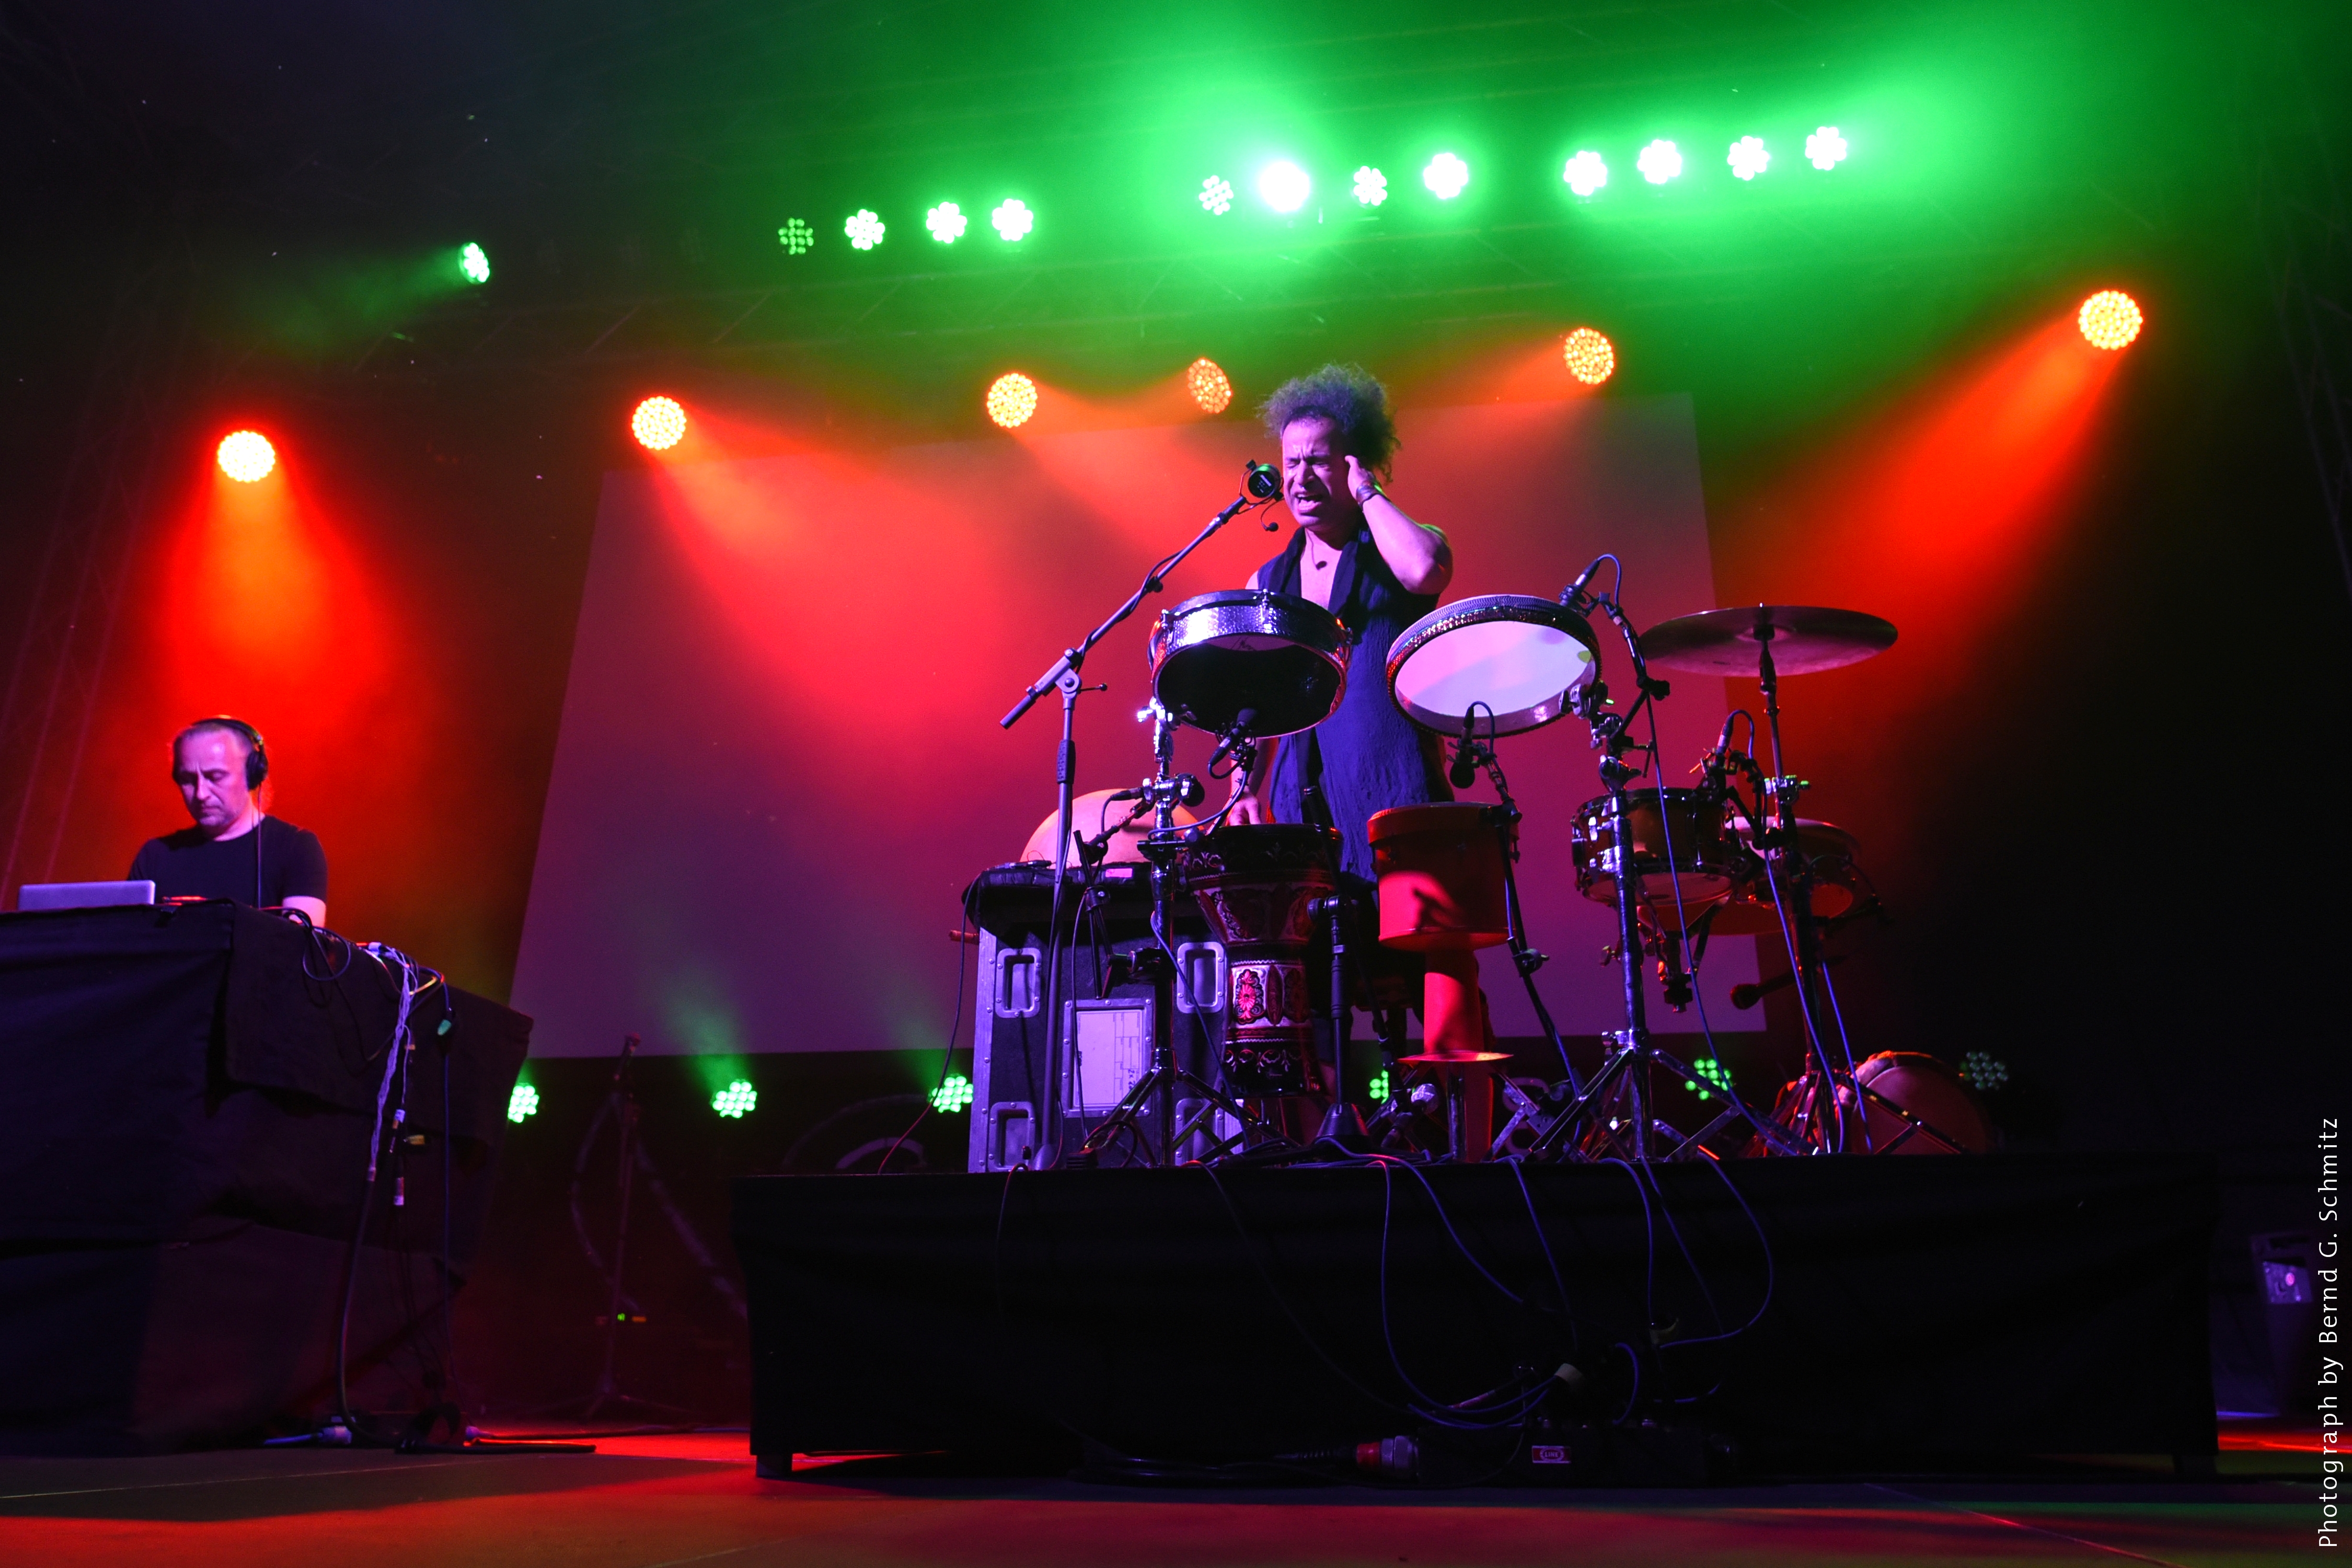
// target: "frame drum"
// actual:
[[1283, 658], [1523, 658]]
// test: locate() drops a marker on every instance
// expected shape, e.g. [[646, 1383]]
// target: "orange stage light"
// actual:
[[1206, 381], [658, 423], [247, 455], [1012, 399], [1590, 357], [2110, 319]]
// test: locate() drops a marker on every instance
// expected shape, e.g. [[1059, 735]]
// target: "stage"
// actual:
[[642, 1501]]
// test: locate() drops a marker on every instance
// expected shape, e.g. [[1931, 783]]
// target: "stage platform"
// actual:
[[1825, 1315], [639, 1502]]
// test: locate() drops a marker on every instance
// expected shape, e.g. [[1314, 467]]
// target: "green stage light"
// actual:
[[523, 1102], [1712, 1070], [796, 237], [1826, 148], [1216, 196], [247, 455], [1586, 172], [865, 228], [737, 1100], [1284, 185], [946, 222], [1371, 186], [1661, 161], [952, 1095], [1983, 1072], [1447, 176], [1377, 1090], [474, 263], [1747, 158], [1014, 220]]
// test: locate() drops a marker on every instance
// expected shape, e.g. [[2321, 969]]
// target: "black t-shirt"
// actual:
[[186, 864]]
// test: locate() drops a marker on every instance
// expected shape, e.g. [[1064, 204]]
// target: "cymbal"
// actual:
[[1805, 638]]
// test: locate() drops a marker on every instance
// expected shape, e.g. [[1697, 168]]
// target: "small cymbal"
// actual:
[[1805, 639]]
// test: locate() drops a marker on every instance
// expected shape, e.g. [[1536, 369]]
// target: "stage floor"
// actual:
[[640, 1502]]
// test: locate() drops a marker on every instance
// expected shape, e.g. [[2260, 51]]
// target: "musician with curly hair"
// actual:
[[1360, 555]]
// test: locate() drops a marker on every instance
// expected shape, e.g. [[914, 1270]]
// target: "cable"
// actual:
[[955, 1027], [413, 979]]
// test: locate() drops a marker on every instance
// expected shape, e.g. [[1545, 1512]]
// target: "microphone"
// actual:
[[1465, 770], [1263, 481], [1235, 733], [1715, 761], [1576, 598]]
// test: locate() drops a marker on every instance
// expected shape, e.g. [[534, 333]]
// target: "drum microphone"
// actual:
[[1576, 598], [1234, 734], [1465, 770]]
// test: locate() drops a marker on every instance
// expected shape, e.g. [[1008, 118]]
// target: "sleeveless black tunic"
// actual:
[[1371, 756]]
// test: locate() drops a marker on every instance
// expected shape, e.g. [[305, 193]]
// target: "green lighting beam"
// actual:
[[1284, 185], [1661, 161], [475, 263], [1013, 220], [1447, 176], [946, 222]]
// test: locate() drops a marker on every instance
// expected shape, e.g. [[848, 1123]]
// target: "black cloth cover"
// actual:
[[1920, 1310], [183, 1154]]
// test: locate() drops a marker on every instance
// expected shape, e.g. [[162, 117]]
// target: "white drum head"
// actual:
[[1521, 658]]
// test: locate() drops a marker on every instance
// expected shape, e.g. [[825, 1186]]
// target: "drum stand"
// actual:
[[1156, 1093], [1062, 675], [1613, 1118]]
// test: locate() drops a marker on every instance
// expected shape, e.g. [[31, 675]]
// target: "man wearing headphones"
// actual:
[[235, 850]]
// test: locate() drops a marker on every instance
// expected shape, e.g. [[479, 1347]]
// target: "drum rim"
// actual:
[[1288, 615], [1479, 610], [1320, 616]]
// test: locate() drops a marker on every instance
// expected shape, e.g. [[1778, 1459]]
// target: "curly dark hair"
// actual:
[[1351, 397]]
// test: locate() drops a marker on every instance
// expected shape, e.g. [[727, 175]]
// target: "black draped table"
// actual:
[[1854, 1313], [183, 1138]]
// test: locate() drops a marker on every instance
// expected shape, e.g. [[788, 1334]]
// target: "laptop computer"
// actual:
[[83, 895]]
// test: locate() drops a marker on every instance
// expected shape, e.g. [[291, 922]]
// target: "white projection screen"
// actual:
[[780, 762]]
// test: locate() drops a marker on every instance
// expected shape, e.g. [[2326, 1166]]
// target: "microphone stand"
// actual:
[[1062, 675]]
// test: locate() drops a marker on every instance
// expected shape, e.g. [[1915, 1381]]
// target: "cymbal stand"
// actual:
[[1156, 1093], [1062, 675], [1613, 1117], [1817, 1109]]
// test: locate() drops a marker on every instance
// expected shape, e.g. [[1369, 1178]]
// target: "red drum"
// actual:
[[1939, 1115], [1915, 1104], [1255, 885], [1441, 871], [1683, 862]]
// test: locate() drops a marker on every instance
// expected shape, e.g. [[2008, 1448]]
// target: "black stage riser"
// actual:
[[1932, 1311]]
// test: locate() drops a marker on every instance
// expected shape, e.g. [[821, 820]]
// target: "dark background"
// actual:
[[2104, 812]]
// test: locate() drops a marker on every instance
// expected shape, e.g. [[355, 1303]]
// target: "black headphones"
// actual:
[[257, 755]]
